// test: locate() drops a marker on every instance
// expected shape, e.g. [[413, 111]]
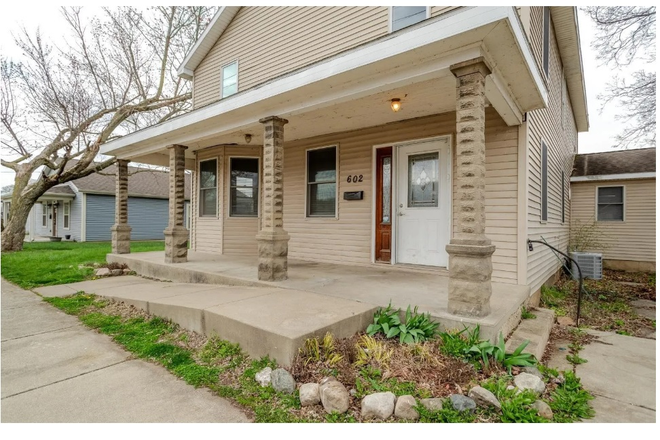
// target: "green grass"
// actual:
[[47, 264]]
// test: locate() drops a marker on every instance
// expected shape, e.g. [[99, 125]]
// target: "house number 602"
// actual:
[[354, 179]]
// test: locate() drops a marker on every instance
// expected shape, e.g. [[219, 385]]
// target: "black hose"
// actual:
[[579, 304]]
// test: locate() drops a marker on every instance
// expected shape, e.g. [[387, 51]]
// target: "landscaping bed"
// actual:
[[621, 302], [443, 367]]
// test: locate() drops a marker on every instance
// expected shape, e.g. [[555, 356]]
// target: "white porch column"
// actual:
[[121, 231], [272, 239], [176, 234], [470, 251]]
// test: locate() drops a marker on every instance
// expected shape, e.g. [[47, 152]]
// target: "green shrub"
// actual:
[[417, 327]]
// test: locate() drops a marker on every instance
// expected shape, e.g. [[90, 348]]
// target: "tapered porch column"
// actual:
[[470, 251], [176, 234], [272, 239], [121, 232]]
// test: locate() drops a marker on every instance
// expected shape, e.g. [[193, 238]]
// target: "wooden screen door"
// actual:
[[384, 204]]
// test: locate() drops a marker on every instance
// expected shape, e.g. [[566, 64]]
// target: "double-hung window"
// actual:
[[544, 182], [322, 182], [546, 40], [44, 214], [208, 188], [610, 204], [229, 84], [66, 215], [404, 16], [244, 187]]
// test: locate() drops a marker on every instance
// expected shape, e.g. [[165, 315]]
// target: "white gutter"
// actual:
[[624, 176]]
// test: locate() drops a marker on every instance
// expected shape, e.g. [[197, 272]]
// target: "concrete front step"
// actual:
[[536, 331], [265, 321]]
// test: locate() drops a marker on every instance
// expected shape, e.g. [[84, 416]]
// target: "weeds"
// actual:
[[417, 327], [526, 314]]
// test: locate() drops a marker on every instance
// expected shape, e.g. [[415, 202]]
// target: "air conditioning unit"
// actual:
[[591, 264]]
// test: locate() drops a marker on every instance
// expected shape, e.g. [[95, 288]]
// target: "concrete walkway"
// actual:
[[56, 370], [620, 372]]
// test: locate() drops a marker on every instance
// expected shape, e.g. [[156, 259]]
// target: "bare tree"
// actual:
[[626, 35], [115, 73]]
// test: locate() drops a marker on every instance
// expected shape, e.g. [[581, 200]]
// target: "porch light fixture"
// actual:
[[396, 104], [248, 138]]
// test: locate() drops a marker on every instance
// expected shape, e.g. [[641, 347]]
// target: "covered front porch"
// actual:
[[374, 285]]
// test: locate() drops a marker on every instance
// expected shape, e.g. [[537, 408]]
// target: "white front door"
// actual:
[[423, 203]]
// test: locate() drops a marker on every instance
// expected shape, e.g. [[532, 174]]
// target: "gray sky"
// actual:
[[603, 126]]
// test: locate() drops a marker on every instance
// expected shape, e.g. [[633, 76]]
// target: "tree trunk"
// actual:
[[14, 233]]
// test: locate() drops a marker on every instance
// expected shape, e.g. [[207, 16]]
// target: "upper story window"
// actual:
[[229, 84], [244, 187], [546, 40], [322, 182], [208, 188], [404, 16], [610, 204]]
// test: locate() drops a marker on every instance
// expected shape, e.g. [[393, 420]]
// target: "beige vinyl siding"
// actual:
[[632, 239], [439, 10], [546, 125]]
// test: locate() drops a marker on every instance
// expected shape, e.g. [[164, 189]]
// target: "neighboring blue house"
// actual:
[[84, 209]]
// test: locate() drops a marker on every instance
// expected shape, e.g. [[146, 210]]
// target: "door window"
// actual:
[[423, 180]]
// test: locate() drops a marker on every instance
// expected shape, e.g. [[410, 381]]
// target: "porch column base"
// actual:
[[470, 269], [121, 239], [273, 255], [176, 244]]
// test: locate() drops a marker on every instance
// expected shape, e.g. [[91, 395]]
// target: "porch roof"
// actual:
[[412, 64]]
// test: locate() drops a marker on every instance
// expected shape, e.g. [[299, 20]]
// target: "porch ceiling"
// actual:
[[353, 90]]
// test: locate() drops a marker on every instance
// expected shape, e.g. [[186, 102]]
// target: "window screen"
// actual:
[[244, 187], [322, 182], [610, 203], [404, 16], [208, 187]]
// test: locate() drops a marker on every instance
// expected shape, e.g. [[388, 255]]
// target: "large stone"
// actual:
[[405, 408], [484, 398], [282, 381], [543, 409], [526, 381], [334, 396], [309, 394], [432, 403], [462, 403], [273, 249], [378, 405], [116, 272], [565, 321], [176, 244], [121, 238], [264, 376], [102, 272], [534, 371]]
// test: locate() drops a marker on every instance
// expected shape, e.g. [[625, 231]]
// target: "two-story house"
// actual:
[[411, 136]]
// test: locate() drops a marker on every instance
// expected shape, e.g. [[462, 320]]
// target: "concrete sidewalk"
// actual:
[[620, 373], [56, 370]]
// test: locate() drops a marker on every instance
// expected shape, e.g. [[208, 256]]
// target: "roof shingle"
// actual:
[[614, 162]]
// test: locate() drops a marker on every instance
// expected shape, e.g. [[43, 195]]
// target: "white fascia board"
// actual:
[[204, 44], [467, 19], [500, 98], [625, 176]]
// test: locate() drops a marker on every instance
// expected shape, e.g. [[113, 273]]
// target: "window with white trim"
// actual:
[[546, 40], [66, 215], [208, 188], [609, 203], [322, 182], [44, 214], [229, 84], [244, 187], [404, 16], [563, 197], [544, 182]]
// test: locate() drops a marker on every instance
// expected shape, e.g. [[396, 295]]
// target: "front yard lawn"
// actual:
[[47, 264]]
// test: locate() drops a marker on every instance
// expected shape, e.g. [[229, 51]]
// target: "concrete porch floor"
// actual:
[[371, 285]]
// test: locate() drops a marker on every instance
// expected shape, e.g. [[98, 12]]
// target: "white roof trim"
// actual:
[[624, 176], [208, 39]]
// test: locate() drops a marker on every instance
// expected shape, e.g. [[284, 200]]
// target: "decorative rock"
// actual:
[[334, 396], [102, 272], [263, 377], [432, 404], [543, 409], [534, 371], [282, 381], [116, 272], [484, 398], [309, 394], [565, 321], [526, 381], [352, 392], [559, 380], [378, 405], [510, 387], [462, 403], [127, 270], [405, 408]]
